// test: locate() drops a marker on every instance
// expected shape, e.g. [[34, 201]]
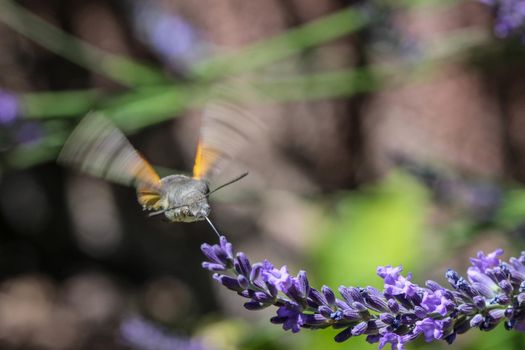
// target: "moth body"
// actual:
[[184, 198]]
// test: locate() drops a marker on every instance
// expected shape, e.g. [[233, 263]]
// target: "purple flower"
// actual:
[[9, 107], [431, 328], [494, 293], [395, 283], [291, 319], [278, 277], [144, 335], [482, 262], [398, 342], [509, 17], [438, 301], [173, 38]]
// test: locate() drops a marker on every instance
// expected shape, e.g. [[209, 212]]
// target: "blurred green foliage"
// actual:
[[155, 97]]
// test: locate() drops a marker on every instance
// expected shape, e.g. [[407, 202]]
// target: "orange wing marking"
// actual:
[[205, 159]]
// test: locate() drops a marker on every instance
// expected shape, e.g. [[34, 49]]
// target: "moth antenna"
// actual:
[[228, 183], [162, 211], [213, 227]]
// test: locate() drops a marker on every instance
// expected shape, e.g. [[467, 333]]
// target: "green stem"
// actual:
[[118, 68]]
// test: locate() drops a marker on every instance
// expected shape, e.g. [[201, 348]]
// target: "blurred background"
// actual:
[[391, 132]]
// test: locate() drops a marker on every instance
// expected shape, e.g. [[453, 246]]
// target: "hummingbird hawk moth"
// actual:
[[99, 148]]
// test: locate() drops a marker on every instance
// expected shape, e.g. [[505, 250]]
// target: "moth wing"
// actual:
[[100, 149], [224, 131]]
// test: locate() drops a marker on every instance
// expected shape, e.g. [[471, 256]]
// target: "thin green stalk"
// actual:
[[282, 46], [71, 103], [118, 68]]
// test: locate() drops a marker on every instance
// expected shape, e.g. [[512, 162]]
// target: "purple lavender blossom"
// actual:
[[144, 335], [173, 38], [492, 293], [9, 107], [509, 17], [13, 129]]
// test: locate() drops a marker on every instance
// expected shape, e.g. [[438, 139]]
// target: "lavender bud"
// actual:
[[356, 294], [500, 274], [393, 306], [345, 293], [315, 319], [207, 250], [506, 286], [246, 293], [351, 315], [373, 338], [344, 335], [463, 286], [479, 301], [495, 315], [483, 289], [408, 319], [220, 254], [404, 302], [263, 298], [278, 319], [466, 309], [433, 286], [416, 299], [448, 294], [375, 300], [488, 324], [359, 307], [387, 318], [462, 326], [254, 305], [450, 338], [420, 312], [329, 295], [341, 304], [452, 277], [229, 282], [213, 266], [476, 321], [272, 289], [509, 324], [227, 247], [516, 276], [502, 299], [317, 297], [360, 328], [509, 312], [294, 292], [303, 286], [325, 311], [242, 264], [520, 298], [256, 271], [243, 281], [337, 315]]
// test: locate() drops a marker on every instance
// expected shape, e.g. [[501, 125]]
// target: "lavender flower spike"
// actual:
[[9, 107], [492, 293], [509, 17], [143, 335]]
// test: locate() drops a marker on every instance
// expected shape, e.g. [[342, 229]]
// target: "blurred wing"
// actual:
[[98, 148], [223, 133]]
